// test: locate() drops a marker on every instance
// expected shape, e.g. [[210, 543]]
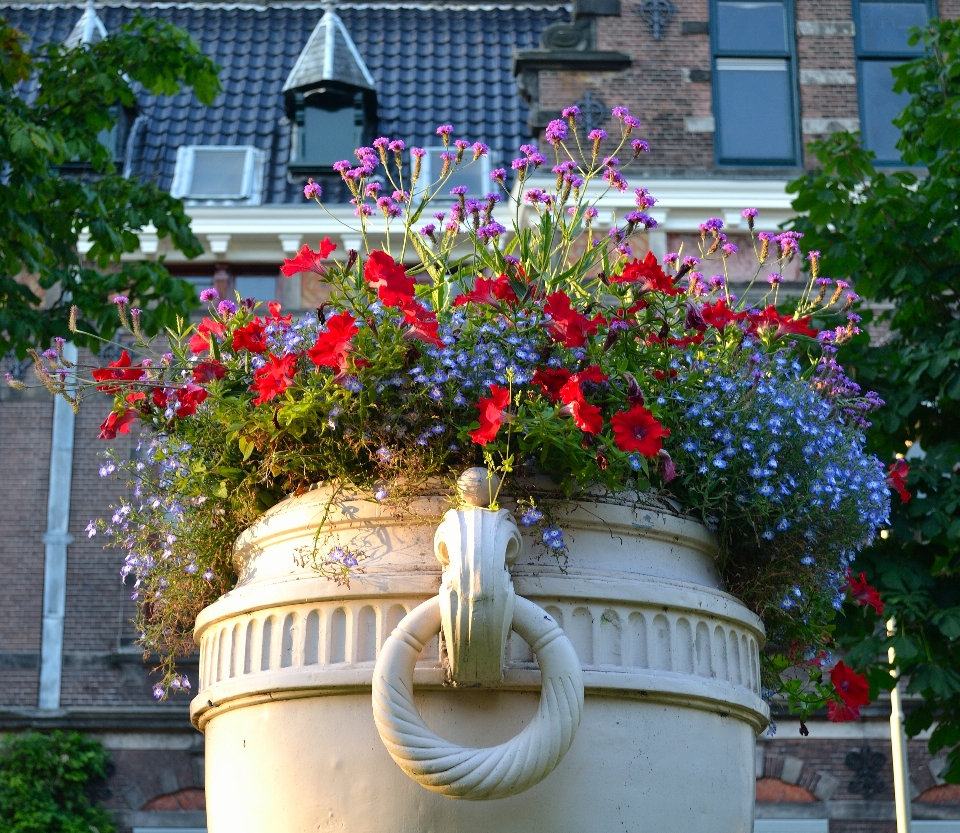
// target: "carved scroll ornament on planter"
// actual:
[[476, 609]]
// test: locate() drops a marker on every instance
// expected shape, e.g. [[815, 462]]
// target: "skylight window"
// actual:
[[210, 172], [475, 175]]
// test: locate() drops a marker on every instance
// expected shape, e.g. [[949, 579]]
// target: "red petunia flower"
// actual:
[[250, 337], [188, 398], [389, 278], [308, 260], [488, 291], [333, 345], [206, 372], [423, 324], [117, 423], [650, 274], [587, 417], [274, 377], [491, 415], [122, 370], [718, 314], [275, 317], [160, 397], [841, 712], [897, 478], [638, 430], [850, 686], [783, 324], [208, 328], [568, 326], [863, 593], [551, 380]]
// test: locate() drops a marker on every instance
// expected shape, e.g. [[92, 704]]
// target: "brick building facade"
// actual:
[[500, 73]]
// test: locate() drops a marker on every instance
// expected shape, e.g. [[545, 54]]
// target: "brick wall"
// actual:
[[26, 420]]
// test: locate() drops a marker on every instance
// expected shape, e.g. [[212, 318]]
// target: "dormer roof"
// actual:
[[89, 29], [329, 55]]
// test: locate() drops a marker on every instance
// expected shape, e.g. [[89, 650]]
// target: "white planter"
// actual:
[[669, 665]]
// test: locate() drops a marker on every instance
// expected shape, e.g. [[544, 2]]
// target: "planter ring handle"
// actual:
[[476, 609]]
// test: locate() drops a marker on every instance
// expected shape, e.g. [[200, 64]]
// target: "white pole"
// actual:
[[898, 746]]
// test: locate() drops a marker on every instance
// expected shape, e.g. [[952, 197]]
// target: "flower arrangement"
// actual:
[[536, 350]]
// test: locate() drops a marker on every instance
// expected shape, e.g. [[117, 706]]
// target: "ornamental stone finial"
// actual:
[[478, 487]]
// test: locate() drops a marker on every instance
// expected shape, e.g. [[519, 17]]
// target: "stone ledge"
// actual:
[[569, 59], [97, 719], [856, 811], [161, 819]]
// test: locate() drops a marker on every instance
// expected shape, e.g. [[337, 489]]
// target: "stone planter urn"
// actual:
[[466, 681]]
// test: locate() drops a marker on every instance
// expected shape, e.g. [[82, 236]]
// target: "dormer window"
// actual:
[[211, 173], [331, 99], [330, 124], [475, 175]]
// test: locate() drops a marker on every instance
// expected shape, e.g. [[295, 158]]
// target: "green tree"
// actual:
[[896, 234], [55, 104], [47, 783]]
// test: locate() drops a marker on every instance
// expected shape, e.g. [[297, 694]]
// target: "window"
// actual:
[[475, 175], [754, 102], [211, 172], [935, 826], [256, 287], [330, 125], [881, 41]]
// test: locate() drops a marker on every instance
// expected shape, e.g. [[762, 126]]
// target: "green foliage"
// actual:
[[47, 784], [43, 211], [896, 234]]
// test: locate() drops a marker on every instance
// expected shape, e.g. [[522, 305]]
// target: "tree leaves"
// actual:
[[44, 211], [895, 234]]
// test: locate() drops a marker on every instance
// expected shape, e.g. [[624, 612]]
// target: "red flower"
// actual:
[[650, 273], [208, 328], [850, 686], [206, 372], [897, 479], [308, 260], [160, 397], [863, 593], [423, 323], [586, 416], [551, 380], [638, 430], [332, 346], [488, 291], [718, 314], [117, 423], [491, 415], [274, 377], [188, 398], [841, 712], [389, 278], [686, 341], [568, 326], [282, 320], [250, 337], [121, 371], [784, 324]]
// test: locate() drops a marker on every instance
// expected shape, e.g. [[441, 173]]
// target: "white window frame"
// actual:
[[251, 183], [791, 826], [432, 158]]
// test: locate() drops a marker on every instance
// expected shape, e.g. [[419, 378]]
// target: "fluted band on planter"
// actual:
[[488, 772]]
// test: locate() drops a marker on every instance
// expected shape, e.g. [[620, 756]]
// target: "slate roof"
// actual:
[[431, 65]]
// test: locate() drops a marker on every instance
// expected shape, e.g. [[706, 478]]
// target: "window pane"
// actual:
[[884, 27], [881, 105], [755, 114], [260, 289], [329, 135], [751, 27], [218, 173]]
